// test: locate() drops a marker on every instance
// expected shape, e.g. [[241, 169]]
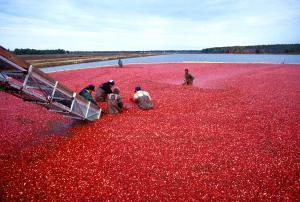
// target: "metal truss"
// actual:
[[35, 86]]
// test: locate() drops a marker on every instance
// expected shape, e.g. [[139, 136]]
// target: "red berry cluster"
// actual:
[[233, 135]]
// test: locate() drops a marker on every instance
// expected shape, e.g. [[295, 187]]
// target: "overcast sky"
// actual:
[[147, 24]]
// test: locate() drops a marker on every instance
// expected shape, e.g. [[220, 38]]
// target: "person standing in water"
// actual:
[[120, 63], [188, 78]]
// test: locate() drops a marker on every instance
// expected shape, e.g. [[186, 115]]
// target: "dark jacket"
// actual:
[[102, 91], [106, 87], [120, 63], [85, 93]]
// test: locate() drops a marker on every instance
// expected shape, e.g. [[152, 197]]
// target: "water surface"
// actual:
[[244, 58]]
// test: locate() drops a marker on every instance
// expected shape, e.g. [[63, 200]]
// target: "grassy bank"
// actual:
[[66, 59]]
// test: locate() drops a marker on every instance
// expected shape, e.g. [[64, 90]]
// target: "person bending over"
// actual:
[[103, 90], [142, 98], [87, 93], [114, 102]]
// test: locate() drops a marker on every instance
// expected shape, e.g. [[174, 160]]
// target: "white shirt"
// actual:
[[140, 93]]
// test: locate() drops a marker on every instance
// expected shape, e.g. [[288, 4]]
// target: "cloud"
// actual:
[[146, 25]]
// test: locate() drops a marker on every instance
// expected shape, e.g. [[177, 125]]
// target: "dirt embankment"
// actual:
[[65, 59]]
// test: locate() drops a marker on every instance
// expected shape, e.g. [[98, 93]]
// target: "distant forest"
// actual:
[[27, 51], [258, 49]]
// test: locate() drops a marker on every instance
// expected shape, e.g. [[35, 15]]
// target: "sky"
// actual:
[[111, 25]]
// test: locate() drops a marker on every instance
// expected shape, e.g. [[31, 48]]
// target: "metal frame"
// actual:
[[87, 110], [53, 92], [73, 101], [27, 76], [43, 90]]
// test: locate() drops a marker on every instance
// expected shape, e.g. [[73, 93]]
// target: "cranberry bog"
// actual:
[[233, 135]]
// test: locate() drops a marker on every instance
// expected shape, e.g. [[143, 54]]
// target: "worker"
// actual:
[[103, 90], [4, 83], [114, 102], [87, 93], [188, 78], [120, 63], [142, 98]]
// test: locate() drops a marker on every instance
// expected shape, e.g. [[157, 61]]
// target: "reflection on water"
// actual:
[[287, 59]]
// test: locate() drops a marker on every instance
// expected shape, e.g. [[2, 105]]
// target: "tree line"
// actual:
[[28, 51], [259, 49]]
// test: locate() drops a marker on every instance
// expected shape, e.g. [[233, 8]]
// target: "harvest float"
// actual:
[[233, 135]]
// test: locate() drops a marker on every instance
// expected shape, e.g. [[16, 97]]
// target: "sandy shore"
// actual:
[[231, 136], [40, 61]]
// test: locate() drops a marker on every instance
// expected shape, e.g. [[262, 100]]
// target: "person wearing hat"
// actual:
[[114, 102], [103, 90], [142, 98], [87, 93], [188, 78]]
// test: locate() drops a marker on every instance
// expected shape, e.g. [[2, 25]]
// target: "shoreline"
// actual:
[[41, 61]]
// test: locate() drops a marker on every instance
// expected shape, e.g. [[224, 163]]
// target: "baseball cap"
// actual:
[[91, 87], [112, 82], [137, 88]]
